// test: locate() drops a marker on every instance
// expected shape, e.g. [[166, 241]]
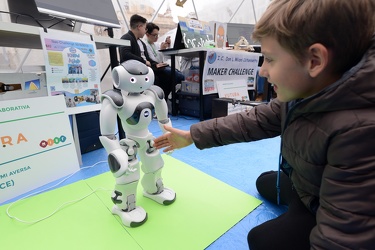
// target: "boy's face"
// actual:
[[290, 78]]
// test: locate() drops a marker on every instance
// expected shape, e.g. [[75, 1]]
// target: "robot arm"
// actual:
[[108, 118], [164, 122], [117, 157], [161, 108]]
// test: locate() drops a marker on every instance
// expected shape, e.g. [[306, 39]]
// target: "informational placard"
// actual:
[[37, 145], [31, 85], [229, 65], [234, 89], [194, 33], [220, 34], [72, 68]]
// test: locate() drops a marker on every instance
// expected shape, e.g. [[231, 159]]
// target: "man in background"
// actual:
[[138, 51]]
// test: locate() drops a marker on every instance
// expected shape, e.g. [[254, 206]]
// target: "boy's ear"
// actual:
[[318, 57]]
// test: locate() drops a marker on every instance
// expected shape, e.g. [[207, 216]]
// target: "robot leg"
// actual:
[[152, 182], [125, 168], [124, 199]]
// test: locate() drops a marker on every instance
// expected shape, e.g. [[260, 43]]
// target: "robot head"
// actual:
[[133, 76]]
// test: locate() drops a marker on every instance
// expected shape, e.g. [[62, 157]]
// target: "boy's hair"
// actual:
[[150, 27], [136, 20], [345, 27]]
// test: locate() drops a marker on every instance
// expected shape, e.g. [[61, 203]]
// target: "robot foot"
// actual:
[[134, 218], [167, 197]]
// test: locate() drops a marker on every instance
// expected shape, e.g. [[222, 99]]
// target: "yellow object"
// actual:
[[33, 86]]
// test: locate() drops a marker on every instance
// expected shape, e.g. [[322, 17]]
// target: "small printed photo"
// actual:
[[32, 85], [74, 69]]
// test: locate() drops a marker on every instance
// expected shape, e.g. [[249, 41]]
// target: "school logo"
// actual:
[[211, 57]]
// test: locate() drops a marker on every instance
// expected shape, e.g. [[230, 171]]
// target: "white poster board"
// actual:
[[235, 89], [72, 69], [37, 145], [228, 65]]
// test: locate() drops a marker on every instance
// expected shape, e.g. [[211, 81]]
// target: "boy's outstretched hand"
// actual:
[[174, 139]]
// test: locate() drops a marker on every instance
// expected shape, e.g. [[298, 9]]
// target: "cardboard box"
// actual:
[[189, 104], [191, 75], [190, 87]]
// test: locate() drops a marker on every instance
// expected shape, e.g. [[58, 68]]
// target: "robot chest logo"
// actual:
[[143, 108]]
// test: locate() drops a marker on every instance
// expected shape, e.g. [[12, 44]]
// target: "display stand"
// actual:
[[195, 52], [200, 52], [26, 36]]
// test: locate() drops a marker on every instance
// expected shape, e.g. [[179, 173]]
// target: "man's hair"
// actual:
[[150, 27], [136, 20], [345, 27]]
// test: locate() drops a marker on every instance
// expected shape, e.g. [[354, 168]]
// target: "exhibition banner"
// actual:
[[37, 145], [229, 65], [72, 68]]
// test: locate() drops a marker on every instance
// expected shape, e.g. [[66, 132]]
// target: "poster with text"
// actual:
[[37, 145], [234, 89], [224, 65], [72, 68]]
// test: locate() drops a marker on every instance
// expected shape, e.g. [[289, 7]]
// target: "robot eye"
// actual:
[[147, 79], [133, 80]]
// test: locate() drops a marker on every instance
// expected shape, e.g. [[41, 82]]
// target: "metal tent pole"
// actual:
[[195, 10], [236, 11], [255, 16], [156, 12]]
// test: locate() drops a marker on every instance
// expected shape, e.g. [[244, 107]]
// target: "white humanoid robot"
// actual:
[[135, 111]]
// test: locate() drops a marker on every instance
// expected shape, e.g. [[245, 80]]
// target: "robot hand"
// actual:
[[118, 163], [118, 156]]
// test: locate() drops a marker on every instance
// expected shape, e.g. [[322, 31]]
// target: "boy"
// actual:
[[319, 55]]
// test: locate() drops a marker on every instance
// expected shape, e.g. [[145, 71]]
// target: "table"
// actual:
[[190, 53], [235, 58], [27, 36]]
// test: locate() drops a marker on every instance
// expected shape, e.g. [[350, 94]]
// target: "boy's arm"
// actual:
[[261, 122]]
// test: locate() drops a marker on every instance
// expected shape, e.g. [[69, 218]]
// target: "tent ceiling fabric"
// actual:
[[238, 11]]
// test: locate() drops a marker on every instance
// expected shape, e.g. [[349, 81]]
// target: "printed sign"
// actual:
[[235, 89], [72, 68], [37, 145], [229, 65]]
